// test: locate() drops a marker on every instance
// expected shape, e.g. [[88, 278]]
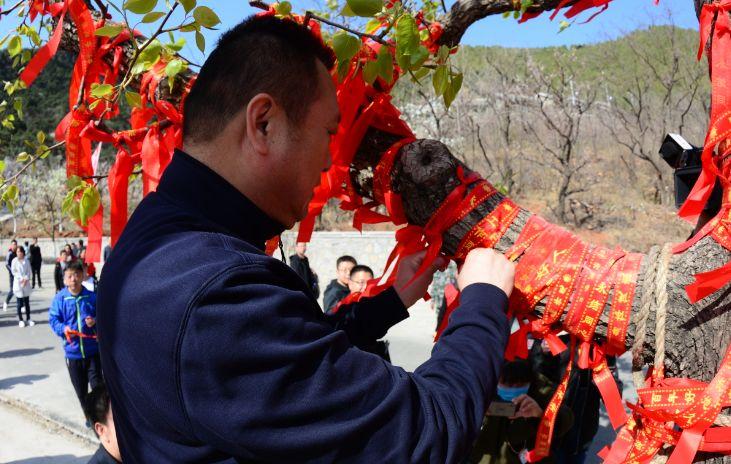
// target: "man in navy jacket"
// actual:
[[215, 352]]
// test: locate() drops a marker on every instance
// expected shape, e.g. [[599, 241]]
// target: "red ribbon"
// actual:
[[75, 333], [118, 187], [44, 54]]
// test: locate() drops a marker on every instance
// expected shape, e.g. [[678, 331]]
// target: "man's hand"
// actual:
[[407, 268], [66, 331], [484, 265], [526, 407], [90, 321]]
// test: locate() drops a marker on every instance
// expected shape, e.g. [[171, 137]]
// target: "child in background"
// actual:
[[72, 317]]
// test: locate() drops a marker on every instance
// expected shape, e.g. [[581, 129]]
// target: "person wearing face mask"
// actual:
[[511, 423]]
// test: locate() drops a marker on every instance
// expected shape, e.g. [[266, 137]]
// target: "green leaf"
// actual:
[[200, 41], [365, 8], [418, 57], [41, 136], [22, 157], [150, 54], [346, 11], [419, 74], [73, 182], [177, 45], [443, 54], [372, 26], [440, 80], [134, 100], [345, 47], [2, 165], [174, 67], [140, 6], [14, 46], [110, 30], [11, 193], [205, 17], [43, 151], [101, 90], [370, 72], [152, 17], [188, 5], [283, 8], [18, 107], [89, 204], [455, 83], [385, 64], [407, 35]]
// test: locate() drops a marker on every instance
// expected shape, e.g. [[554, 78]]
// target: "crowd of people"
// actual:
[[23, 264], [72, 317], [511, 421], [525, 387]]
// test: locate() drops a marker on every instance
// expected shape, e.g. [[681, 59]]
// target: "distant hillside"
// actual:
[[496, 126]]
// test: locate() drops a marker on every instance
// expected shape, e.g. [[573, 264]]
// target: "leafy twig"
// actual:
[[12, 179]]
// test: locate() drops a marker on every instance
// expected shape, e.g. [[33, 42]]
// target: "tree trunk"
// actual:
[[696, 335]]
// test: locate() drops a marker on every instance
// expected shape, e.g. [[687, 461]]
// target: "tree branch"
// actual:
[[466, 12]]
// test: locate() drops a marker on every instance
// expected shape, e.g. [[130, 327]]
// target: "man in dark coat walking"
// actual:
[[301, 265], [215, 352], [36, 261]]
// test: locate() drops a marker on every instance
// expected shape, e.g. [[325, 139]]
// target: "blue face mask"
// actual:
[[510, 393]]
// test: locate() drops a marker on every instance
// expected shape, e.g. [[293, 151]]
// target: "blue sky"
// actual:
[[622, 17]]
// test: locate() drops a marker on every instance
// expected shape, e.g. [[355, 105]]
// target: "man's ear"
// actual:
[[100, 429], [259, 115]]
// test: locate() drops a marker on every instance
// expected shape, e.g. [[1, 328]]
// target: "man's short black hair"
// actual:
[[14, 241], [360, 268], [346, 259], [76, 266], [260, 55], [516, 372], [96, 405]]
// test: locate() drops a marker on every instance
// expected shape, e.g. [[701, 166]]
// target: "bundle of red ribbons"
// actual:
[[155, 125]]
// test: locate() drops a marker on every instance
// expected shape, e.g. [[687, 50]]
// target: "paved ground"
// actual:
[[33, 377], [26, 435]]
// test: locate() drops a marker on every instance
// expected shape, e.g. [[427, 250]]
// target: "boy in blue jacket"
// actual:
[[73, 318]]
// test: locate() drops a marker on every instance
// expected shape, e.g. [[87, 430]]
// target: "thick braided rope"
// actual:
[[646, 302], [661, 300], [655, 294]]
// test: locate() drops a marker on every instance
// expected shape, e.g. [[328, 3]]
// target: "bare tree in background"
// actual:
[[562, 109], [664, 95], [43, 194], [497, 100]]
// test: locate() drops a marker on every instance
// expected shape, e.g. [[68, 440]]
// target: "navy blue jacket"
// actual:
[[215, 352]]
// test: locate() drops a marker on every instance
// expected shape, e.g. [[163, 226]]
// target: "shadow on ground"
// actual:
[[63, 459], [10, 382], [24, 352]]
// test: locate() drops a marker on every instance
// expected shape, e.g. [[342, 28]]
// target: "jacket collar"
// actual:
[[200, 191]]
